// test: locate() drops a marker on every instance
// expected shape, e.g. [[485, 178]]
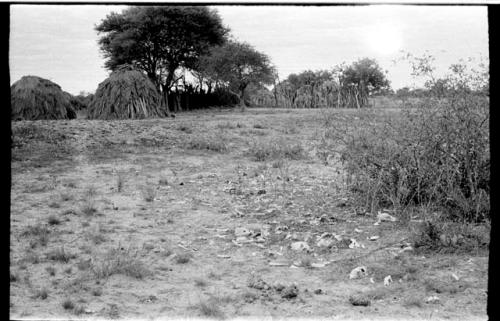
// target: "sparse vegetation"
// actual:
[[119, 261], [210, 308]]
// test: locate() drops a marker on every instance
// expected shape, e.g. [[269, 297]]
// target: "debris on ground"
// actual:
[[279, 263], [387, 280], [241, 231], [290, 292], [455, 277], [357, 230], [257, 283], [432, 299], [374, 238], [354, 244], [277, 286], [300, 246], [385, 217], [358, 272]]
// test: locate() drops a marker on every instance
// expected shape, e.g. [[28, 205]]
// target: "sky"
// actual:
[[59, 43]]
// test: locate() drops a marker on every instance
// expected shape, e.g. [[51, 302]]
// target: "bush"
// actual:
[[435, 155]]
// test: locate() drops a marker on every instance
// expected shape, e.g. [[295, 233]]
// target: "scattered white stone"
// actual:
[[358, 272], [318, 265], [300, 246], [432, 299], [453, 275], [387, 280], [374, 238], [357, 230], [371, 280]]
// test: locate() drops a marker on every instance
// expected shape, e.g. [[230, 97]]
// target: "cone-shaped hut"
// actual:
[[35, 98], [126, 94]]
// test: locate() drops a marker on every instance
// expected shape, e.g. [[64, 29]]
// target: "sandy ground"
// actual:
[[132, 219]]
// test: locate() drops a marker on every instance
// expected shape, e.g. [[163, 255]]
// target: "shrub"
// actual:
[[435, 155], [119, 261]]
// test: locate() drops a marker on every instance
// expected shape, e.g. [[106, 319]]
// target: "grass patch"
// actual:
[[119, 261], [199, 282], [41, 294], [60, 255], [210, 308], [269, 150], [183, 258], [148, 193], [120, 182], [359, 300], [216, 143], [51, 270], [68, 304], [53, 220]]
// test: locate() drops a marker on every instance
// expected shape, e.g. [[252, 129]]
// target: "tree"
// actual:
[[366, 76], [159, 40], [238, 65]]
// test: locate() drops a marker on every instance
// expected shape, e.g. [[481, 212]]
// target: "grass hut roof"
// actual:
[[35, 98], [126, 94]]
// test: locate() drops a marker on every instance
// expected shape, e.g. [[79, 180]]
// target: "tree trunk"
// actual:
[[242, 98]]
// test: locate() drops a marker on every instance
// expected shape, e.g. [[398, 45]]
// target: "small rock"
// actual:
[[357, 230], [374, 238], [455, 277], [358, 272], [387, 280], [318, 291], [300, 246]]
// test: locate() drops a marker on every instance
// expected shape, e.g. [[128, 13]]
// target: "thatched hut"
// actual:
[[126, 94], [35, 98]]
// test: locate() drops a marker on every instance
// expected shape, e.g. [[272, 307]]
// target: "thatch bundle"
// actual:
[[126, 94], [35, 98]]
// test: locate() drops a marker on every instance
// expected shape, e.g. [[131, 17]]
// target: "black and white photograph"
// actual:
[[249, 161]]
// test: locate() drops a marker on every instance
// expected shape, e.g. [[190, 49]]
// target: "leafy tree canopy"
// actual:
[[159, 39], [238, 65], [367, 74]]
